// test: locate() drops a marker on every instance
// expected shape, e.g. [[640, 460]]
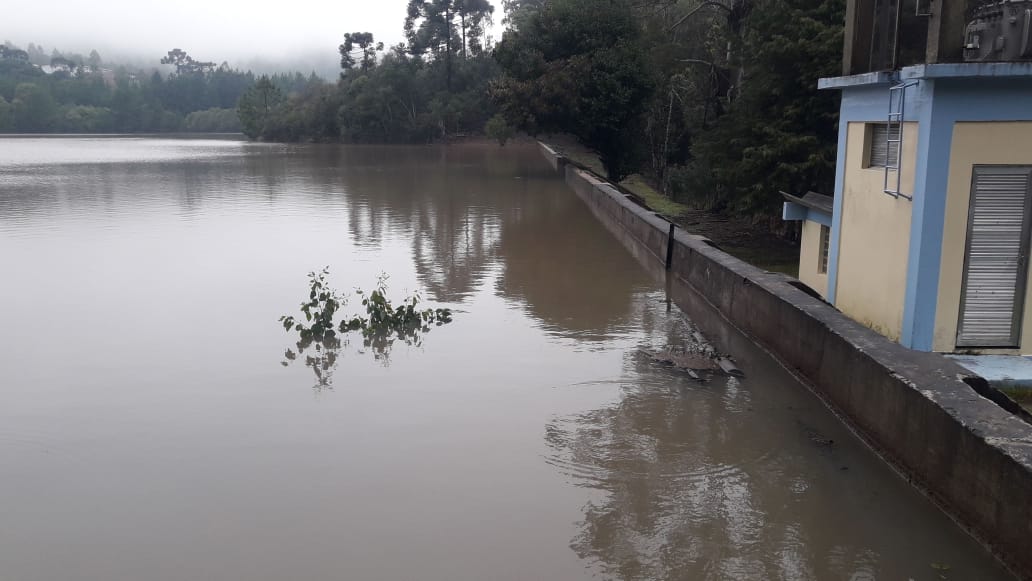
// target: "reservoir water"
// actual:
[[150, 430]]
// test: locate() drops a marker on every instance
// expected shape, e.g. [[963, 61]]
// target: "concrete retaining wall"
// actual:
[[971, 457]]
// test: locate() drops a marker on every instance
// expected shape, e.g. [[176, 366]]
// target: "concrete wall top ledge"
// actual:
[[935, 377], [591, 179], [645, 214], [972, 70], [548, 149]]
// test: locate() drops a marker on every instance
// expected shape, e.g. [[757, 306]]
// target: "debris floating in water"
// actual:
[[729, 367], [694, 357]]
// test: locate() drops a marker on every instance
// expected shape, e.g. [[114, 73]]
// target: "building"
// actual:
[[927, 237]]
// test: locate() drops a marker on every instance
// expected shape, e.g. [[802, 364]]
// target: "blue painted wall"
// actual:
[[793, 212]]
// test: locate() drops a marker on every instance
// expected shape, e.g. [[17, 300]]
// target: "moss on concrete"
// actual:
[[1022, 396]]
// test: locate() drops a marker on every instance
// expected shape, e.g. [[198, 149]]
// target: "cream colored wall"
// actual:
[[809, 258], [874, 238], [974, 144]]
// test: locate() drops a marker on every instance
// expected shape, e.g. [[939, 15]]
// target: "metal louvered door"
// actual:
[[992, 297]]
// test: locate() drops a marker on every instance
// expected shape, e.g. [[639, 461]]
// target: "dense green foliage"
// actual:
[[214, 120], [400, 99], [777, 131], [432, 87], [579, 67], [73, 94], [715, 103], [498, 128]]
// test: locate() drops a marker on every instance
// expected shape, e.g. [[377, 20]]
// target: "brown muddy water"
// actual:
[[149, 431]]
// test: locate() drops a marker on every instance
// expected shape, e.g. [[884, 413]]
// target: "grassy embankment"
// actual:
[[1022, 396], [737, 236], [634, 183]]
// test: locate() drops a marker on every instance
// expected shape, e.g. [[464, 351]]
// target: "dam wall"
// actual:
[[919, 411]]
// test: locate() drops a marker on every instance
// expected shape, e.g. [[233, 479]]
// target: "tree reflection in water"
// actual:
[[683, 497], [716, 479], [321, 355], [322, 359]]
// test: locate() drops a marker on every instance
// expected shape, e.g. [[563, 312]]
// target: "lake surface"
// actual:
[[149, 429]]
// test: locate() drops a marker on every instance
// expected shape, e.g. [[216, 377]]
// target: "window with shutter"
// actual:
[[825, 246], [880, 151]]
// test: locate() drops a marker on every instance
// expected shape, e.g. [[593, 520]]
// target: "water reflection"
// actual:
[[466, 213], [177, 419], [466, 209], [734, 478], [549, 247], [319, 355], [685, 498], [448, 207], [322, 354]]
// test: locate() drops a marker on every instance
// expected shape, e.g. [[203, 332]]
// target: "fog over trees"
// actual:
[[75, 93], [295, 36]]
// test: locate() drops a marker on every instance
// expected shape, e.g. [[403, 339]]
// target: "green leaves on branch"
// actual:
[[382, 318], [382, 325], [385, 320], [319, 310]]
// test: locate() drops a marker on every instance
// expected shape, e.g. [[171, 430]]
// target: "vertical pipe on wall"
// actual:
[[670, 246]]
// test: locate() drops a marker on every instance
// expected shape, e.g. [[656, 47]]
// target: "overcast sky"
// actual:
[[213, 30]]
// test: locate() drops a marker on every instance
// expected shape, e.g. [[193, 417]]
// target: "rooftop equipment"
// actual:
[[1000, 31]]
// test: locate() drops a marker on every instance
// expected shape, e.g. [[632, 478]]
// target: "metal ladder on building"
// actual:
[[894, 136]]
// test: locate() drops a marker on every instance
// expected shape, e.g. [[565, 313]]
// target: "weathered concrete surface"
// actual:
[[966, 453]]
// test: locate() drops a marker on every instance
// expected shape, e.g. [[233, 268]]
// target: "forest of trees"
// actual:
[[69, 93], [714, 102], [431, 87]]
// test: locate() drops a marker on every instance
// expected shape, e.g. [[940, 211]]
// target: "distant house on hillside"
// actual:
[[927, 239], [109, 77], [60, 65]]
